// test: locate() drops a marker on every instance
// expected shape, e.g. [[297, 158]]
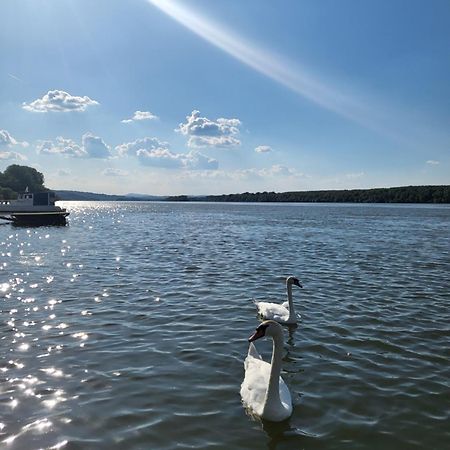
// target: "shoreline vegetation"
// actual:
[[405, 194], [17, 178]]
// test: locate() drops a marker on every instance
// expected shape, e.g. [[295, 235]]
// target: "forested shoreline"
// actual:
[[17, 178], [405, 194]]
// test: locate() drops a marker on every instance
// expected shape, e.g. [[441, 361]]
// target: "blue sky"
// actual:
[[200, 97]]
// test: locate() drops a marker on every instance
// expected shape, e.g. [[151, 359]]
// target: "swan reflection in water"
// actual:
[[283, 432]]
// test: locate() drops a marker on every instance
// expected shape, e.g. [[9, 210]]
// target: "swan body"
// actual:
[[283, 313], [263, 391]]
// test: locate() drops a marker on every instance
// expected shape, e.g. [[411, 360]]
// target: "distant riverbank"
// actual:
[[406, 194]]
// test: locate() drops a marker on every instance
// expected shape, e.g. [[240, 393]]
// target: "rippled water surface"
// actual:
[[128, 328]]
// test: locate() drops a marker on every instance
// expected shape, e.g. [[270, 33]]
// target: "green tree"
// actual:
[[18, 178]]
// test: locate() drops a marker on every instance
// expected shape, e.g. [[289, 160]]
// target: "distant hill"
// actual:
[[92, 196]]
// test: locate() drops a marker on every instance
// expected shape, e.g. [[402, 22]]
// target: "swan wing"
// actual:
[[273, 311], [285, 397], [254, 386], [286, 305], [282, 409]]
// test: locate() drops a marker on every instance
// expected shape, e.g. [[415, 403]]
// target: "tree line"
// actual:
[[405, 194], [17, 178]]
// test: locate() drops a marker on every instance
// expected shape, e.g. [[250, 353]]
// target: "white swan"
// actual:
[[283, 313], [263, 391]]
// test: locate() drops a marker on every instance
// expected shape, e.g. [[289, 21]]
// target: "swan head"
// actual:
[[266, 328], [293, 280]]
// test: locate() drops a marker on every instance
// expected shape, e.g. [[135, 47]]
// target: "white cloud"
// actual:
[[141, 115], [197, 161], [161, 157], [147, 143], [156, 153], [62, 146], [12, 156], [92, 147], [111, 172], [7, 141], [432, 162], [203, 132], [59, 101], [263, 149], [169, 160]]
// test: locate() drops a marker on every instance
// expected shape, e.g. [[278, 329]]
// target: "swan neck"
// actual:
[[273, 390], [290, 301]]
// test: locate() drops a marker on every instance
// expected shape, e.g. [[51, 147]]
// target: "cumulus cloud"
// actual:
[[156, 153], [161, 157], [197, 161], [61, 146], [7, 141], [147, 143], [92, 147], [141, 115], [203, 132], [166, 159], [432, 162], [12, 156], [59, 101], [263, 149], [111, 172]]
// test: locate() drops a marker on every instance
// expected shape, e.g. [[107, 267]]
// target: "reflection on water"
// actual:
[[129, 327], [284, 434]]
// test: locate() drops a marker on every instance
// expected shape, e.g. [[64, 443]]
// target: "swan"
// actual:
[[263, 391], [283, 313]]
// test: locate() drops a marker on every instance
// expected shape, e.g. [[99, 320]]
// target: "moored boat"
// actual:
[[33, 208]]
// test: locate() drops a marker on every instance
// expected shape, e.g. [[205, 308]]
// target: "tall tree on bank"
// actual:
[[17, 178]]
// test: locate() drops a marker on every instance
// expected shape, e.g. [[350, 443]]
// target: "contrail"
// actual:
[[14, 77]]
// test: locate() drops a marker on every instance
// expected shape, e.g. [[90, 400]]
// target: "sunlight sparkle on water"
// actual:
[[59, 445], [53, 372]]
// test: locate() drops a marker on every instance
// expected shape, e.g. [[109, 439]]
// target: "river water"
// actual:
[[128, 328]]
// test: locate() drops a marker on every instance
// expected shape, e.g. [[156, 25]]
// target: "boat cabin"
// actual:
[[36, 198]]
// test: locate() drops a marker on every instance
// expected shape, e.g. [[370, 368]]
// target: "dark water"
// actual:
[[128, 328]]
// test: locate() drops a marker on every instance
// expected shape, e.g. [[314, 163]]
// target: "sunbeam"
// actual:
[[274, 66]]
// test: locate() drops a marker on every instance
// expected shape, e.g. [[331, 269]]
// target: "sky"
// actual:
[[196, 97]]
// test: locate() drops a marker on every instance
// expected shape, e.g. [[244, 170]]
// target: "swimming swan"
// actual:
[[283, 313], [263, 391]]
